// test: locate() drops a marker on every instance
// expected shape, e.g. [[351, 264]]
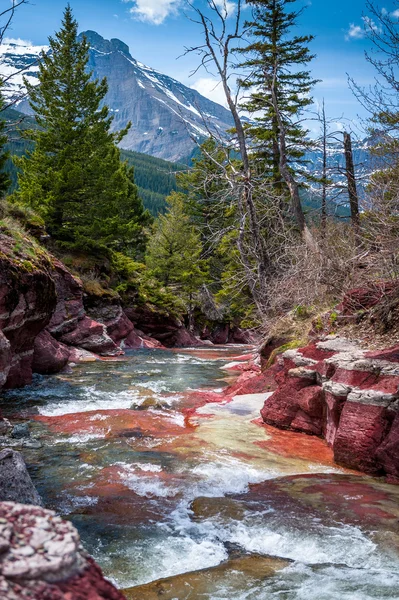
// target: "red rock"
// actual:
[[362, 429], [390, 354], [366, 297], [388, 452], [61, 570], [49, 356], [5, 358], [69, 309], [295, 405], [350, 397], [137, 339], [92, 336], [165, 328], [27, 301], [119, 328], [220, 334], [334, 406]]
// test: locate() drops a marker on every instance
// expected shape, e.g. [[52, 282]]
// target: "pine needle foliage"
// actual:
[[276, 60], [74, 176]]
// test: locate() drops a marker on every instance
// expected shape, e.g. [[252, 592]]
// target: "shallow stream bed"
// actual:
[[159, 485]]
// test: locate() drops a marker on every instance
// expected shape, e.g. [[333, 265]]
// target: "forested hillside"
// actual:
[[154, 177]]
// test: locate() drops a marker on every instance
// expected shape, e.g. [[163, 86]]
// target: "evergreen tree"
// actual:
[[74, 176], [277, 62], [208, 196], [4, 155], [174, 253]]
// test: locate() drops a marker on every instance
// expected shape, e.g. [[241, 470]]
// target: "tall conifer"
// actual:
[[276, 60], [4, 154], [74, 176]]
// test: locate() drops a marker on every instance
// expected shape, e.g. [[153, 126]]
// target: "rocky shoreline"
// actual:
[[48, 320]]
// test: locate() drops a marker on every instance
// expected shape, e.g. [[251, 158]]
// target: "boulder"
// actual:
[[49, 356], [138, 339], [92, 336], [164, 328], [41, 558], [15, 482], [119, 328]]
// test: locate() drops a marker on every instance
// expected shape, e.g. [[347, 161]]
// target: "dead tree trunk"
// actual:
[[324, 175], [287, 175], [351, 178]]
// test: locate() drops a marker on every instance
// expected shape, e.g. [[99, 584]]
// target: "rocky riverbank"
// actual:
[[48, 319], [348, 395]]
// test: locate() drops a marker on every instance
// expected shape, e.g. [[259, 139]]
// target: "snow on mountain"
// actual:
[[167, 117], [18, 59]]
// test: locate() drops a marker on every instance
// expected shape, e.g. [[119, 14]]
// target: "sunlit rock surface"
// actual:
[[41, 558], [350, 396]]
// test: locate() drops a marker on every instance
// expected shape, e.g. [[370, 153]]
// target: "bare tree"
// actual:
[[6, 18], [351, 178], [7, 15], [218, 51]]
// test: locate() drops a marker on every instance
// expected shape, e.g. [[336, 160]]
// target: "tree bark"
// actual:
[[351, 178]]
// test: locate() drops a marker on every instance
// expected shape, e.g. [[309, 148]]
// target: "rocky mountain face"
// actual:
[[167, 117]]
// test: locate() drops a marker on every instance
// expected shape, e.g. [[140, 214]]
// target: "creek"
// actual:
[[159, 483]]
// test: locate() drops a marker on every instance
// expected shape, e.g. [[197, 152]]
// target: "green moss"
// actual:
[[293, 345], [94, 287]]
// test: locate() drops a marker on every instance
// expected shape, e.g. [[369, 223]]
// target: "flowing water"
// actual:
[[160, 483]]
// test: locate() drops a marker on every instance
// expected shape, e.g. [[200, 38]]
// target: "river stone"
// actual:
[[21, 430], [15, 482], [205, 584]]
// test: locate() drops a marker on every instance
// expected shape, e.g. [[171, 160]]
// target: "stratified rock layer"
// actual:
[[41, 559], [349, 396]]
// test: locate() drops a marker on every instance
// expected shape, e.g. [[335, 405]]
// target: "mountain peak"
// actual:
[[97, 42], [167, 118]]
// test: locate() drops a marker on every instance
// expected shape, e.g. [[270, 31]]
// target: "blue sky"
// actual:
[[157, 32]]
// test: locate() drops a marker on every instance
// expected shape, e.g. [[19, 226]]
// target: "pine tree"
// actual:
[[208, 196], [74, 176], [4, 154], [276, 61], [174, 253]]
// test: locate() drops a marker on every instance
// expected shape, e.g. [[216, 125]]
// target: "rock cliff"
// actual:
[[48, 319], [348, 395]]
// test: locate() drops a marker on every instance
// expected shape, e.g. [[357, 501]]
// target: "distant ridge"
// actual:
[[167, 117]]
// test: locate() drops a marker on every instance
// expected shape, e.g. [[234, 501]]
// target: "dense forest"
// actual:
[[248, 224]]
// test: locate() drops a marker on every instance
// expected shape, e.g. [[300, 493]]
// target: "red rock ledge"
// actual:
[[349, 396]]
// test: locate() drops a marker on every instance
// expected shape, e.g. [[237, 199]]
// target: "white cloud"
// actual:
[[16, 41], [154, 11], [355, 32], [358, 32], [210, 88], [395, 13], [227, 8]]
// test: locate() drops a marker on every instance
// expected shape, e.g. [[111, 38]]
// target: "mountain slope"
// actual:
[[167, 116], [155, 178]]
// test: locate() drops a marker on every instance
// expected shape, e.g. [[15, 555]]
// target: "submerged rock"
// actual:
[[15, 482], [20, 431], [234, 574]]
